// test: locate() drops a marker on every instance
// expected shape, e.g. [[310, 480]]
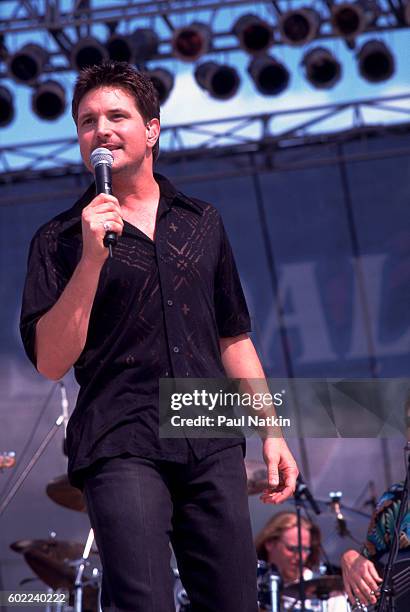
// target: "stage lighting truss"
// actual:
[[219, 80], [249, 32], [255, 35], [48, 101], [189, 43], [6, 106], [255, 135], [299, 26], [376, 62], [270, 76], [321, 68]]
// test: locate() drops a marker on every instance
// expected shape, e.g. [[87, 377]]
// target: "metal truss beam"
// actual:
[[57, 16], [237, 162], [275, 131], [25, 16]]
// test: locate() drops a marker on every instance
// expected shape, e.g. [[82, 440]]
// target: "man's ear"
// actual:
[[153, 130]]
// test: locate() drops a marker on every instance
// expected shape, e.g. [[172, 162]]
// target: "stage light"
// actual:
[[270, 76], [191, 42], [254, 34], [348, 19], [87, 52], [145, 43], [322, 69], [163, 81], [299, 26], [376, 62], [219, 80], [26, 65], [6, 106], [120, 48], [48, 101]]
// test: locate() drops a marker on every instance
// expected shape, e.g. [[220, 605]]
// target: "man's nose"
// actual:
[[103, 127]]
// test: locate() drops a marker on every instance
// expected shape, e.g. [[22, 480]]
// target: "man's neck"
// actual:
[[136, 190]]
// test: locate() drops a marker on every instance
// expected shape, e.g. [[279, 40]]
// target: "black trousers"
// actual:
[[138, 506]]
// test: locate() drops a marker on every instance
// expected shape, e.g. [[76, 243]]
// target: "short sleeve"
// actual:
[[45, 281], [231, 311]]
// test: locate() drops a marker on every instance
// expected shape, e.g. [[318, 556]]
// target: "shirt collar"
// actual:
[[174, 197], [168, 193]]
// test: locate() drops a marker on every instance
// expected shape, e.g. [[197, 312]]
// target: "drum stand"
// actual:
[[324, 603], [274, 591], [79, 584], [302, 490]]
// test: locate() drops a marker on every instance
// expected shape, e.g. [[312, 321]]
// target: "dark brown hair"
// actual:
[[124, 76], [277, 525]]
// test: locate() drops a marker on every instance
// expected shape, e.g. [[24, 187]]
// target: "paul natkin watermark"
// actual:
[[324, 408], [224, 421]]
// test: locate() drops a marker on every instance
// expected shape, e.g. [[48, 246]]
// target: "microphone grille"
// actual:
[[101, 155]]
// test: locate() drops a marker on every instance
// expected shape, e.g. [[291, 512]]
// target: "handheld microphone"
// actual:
[[101, 160]]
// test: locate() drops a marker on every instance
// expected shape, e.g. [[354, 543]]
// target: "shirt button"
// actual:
[[170, 303], [176, 349]]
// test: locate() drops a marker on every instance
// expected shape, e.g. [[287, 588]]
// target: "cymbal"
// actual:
[[63, 493], [316, 588], [56, 573], [59, 574], [58, 550], [21, 545]]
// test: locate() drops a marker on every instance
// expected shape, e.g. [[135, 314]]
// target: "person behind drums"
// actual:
[[277, 544]]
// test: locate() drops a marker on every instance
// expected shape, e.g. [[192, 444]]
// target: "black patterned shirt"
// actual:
[[159, 310]]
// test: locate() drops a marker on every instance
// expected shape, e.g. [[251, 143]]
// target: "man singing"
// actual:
[[167, 304]]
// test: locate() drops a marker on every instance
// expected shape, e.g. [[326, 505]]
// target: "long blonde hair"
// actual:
[[277, 525]]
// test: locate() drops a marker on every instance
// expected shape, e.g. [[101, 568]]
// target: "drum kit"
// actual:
[[64, 566]]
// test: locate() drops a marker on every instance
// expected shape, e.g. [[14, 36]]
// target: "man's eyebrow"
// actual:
[[89, 112], [118, 109]]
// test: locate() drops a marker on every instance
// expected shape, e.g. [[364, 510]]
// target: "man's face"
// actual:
[[108, 117], [284, 554]]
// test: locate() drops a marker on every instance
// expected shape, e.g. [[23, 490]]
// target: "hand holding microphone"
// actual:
[[101, 160]]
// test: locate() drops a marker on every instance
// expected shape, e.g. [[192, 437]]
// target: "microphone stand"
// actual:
[[302, 490], [10, 496], [386, 601]]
